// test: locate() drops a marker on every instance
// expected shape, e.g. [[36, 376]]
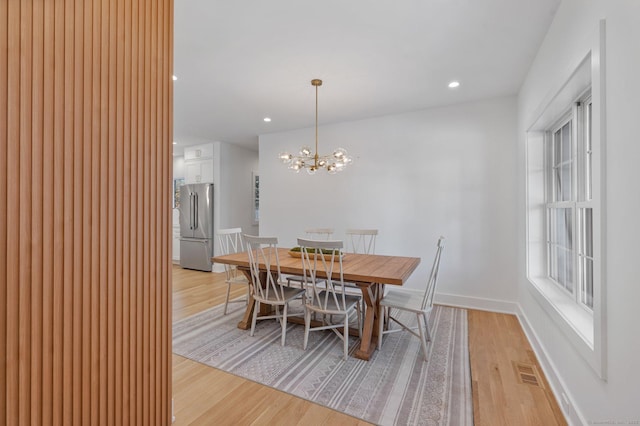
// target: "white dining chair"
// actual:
[[230, 241], [361, 240], [418, 302], [267, 286], [330, 298], [311, 234]]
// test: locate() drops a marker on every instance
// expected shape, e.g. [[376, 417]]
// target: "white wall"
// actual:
[[416, 176], [616, 400], [236, 188]]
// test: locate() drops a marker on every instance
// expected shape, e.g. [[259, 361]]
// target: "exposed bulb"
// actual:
[[332, 169], [305, 151], [285, 157], [322, 162], [340, 153], [311, 170]]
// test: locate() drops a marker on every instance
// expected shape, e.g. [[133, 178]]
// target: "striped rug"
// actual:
[[396, 387]]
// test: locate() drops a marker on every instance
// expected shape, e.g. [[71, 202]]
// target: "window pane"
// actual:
[[566, 142], [565, 177], [569, 271], [557, 148], [560, 259], [587, 285], [587, 232], [563, 224], [588, 159], [553, 263]]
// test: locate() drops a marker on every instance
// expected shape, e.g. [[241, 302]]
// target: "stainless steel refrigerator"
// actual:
[[196, 226]]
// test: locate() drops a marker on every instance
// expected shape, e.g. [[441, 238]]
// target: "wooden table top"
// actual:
[[366, 268]]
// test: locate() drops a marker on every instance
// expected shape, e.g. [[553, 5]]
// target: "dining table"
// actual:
[[369, 272]]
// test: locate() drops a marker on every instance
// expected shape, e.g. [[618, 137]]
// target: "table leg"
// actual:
[[371, 294], [245, 323]]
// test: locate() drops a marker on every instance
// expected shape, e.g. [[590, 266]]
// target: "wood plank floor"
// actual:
[[206, 396]]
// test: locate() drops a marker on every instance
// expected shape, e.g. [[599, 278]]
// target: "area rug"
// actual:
[[395, 387]]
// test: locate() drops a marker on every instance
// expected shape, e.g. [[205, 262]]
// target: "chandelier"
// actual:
[[336, 162]]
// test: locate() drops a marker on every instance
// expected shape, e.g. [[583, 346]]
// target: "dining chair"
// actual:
[[230, 241], [267, 287], [312, 234], [417, 302], [330, 298], [361, 240], [319, 233]]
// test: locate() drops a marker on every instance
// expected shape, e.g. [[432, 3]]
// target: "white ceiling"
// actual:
[[238, 61]]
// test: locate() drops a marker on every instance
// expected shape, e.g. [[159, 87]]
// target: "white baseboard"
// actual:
[[480, 303], [567, 404]]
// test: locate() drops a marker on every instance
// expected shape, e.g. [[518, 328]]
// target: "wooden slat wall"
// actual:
[[85, 178]]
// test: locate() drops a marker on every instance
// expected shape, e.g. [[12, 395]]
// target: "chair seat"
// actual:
[[332, 308], [408, 300], [288, 292]]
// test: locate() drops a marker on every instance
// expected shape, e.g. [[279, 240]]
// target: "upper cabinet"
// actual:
[[198, 163], [198, 152]]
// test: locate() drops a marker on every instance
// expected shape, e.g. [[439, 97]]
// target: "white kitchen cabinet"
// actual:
[[198, 171], [198, 152]]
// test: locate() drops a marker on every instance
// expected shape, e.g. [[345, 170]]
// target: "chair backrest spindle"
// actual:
[[361, 241], [319, 233], [230, 241], [314, 260], [427, 300], [264, 251]]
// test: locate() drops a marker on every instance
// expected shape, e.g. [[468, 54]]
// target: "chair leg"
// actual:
[[426, 326], [226, 299], [422, 337], [359, 320], [345, 335], [284, 324], [380, 326], [256, 308], [307, 324]]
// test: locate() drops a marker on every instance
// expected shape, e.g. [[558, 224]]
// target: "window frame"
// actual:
[[586, 332]]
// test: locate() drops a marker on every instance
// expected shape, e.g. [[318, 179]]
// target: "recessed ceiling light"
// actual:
[[454, 84], [267, 120], [175, 78]]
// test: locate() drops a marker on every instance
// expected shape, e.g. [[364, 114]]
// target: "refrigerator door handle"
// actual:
[[195, 211], [191, 210]]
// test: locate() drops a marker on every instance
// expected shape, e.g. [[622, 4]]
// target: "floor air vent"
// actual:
[[527, 374]]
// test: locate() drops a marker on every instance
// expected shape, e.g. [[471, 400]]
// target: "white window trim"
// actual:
[[585, 330]]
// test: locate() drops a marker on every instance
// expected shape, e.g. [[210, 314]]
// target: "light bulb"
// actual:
[[305, 151], [339, 153], [285, 157], [332, 169]]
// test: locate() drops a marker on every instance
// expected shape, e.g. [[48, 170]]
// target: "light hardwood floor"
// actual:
[[207, 396]]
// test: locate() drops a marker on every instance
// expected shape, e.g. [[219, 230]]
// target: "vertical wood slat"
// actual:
[[47, 206], [37, 305], [25, 201], [13, 209], [3, 208], [85, 122]]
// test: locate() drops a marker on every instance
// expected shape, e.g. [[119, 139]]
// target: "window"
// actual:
[[565, 207], [569, 250]]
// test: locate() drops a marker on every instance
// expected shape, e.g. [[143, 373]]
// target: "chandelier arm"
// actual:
[[316, 156]]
